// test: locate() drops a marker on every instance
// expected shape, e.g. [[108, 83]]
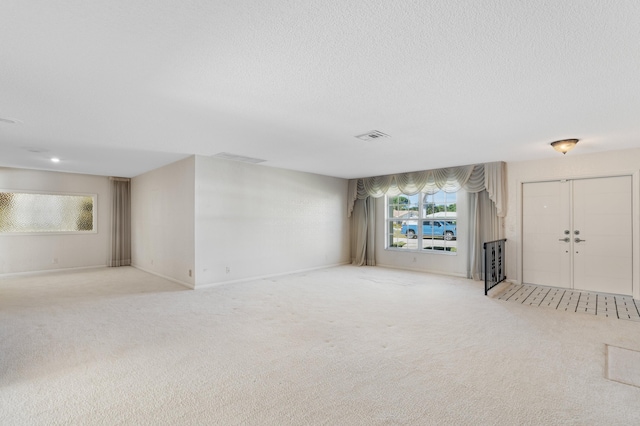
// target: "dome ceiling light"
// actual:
[[564, 145]]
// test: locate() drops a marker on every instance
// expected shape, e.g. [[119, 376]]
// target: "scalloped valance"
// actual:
[[473, 178]]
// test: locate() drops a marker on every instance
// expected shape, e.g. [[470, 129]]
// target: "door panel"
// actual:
[[598, 212], [603, 218], [546, 259]]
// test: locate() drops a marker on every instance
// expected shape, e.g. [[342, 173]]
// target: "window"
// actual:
[[422, 222], [22, 212]]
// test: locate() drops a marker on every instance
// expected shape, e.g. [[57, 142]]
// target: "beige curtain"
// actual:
[[495, 182], [120, 253], [473, 178], [484, 225], [363, 222], [485, 184]]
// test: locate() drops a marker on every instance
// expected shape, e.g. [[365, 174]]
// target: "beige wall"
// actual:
[[162, 221], [569, 166], [30, 253], [228, 221], [256, 221]]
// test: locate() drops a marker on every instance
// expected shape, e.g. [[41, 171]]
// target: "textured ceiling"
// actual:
[[120, 87]]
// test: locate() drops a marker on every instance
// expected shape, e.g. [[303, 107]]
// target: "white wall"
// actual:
[[427, 260], [254, 221], [569, 166], [30, 253], [162, 221]]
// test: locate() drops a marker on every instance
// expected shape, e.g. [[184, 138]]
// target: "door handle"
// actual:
[[566, 240], [578, 240]]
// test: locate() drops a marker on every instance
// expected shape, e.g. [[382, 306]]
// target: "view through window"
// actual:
[[46, 213], [422, 222]]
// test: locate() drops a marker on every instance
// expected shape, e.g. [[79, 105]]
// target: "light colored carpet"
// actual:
[[339, 346]]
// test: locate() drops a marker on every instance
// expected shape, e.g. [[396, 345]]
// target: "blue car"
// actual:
[[431, 228]]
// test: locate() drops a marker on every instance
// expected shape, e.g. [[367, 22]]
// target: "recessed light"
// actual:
[[55, 159]]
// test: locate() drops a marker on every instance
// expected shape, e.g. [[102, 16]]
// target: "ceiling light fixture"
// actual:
[[564, 145], [55, 159]]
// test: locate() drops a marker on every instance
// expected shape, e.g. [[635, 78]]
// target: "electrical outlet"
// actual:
[[228, 270], [55, 260], [190, 272]]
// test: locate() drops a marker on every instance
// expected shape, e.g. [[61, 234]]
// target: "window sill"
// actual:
[[426, 251]]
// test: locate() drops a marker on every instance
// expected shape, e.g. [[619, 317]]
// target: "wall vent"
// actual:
[[373, 134], [235, 157]]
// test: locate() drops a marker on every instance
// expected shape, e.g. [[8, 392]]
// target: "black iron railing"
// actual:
[[494, 272]]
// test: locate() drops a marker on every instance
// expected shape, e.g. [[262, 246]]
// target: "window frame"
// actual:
[[93, 196], [419, 218]]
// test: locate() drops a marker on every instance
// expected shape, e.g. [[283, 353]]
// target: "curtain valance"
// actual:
[[473, 178]]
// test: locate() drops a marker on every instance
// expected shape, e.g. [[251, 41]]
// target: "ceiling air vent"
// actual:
[[241, 158], [374, 134]]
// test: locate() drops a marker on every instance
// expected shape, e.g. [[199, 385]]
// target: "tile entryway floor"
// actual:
[[601, 304]]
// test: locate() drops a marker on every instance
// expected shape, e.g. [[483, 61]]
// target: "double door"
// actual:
[[578, 234]]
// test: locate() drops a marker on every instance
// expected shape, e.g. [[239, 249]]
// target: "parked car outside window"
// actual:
[[430, 228]]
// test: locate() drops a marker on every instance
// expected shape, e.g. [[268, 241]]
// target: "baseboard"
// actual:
[[50, 271], [182, 283], [262, 277]]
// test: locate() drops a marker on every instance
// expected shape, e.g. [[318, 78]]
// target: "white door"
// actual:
[[546, 225], [602, 238], [577, 234]]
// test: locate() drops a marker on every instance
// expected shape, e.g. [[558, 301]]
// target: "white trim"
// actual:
[[262, 277], [50, 271], [635, 229], [183, 283]]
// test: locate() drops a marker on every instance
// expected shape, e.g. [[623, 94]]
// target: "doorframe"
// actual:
[[635, 222]]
